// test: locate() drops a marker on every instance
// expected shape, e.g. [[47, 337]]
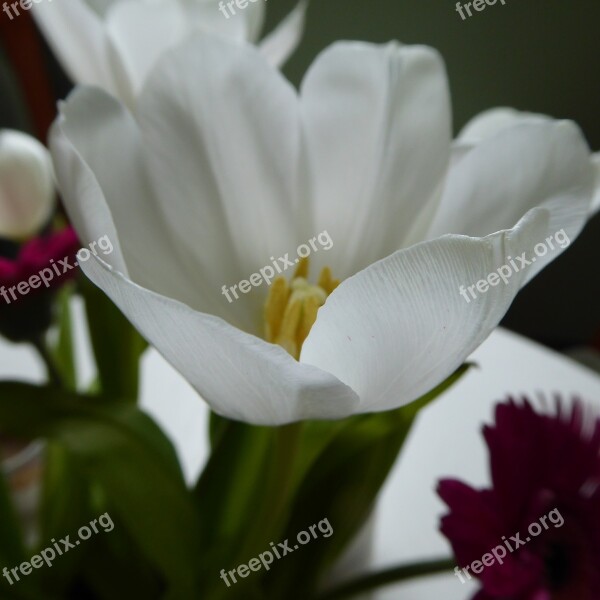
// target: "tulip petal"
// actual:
[[101, 6], [278, 45], [240, 376], [114, 43], [400, 327], [493, 121], [76, 35], [82, 196], [224, 154], [114, 154], [535, 163], [378, 130], [140, 32], [208, 16], [254, 15]]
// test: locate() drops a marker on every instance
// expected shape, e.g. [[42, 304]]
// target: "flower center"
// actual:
[[291, 308], [557, 567], [568, 568]]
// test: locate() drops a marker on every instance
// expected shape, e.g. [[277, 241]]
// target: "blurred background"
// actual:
[[536, 55]]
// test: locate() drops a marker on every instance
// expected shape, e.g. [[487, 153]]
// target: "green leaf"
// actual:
[[110, 564], [246, 488], [65, 505], [115, 569], [120, 449], [385, 577], [232, 483], [117, 346]]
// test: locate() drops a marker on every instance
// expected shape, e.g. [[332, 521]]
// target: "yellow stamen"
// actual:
[[291, 309], [302, 269], [326, 281], [277, 300]]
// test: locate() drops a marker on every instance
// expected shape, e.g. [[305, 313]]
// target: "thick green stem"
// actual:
[[387, 577], [282, 478], [279, 486]]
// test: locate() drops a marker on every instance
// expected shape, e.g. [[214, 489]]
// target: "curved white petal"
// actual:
[[239, 375], [542, 163], [82, 196], [224, 152], [27, 196], [254, 15], [208, 16], [400, 327], [139, 33], [378, 130], [115, 43], [101, 6], [495, 120], [107, 140], [279, 45], [76, 35]]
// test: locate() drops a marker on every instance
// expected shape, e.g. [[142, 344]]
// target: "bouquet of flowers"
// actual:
[[319, 264]]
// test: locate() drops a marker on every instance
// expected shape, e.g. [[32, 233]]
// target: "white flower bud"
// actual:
[[27, 196]]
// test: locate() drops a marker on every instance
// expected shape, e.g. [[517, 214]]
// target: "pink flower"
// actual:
[[540, 464], [38, 254], [27, 312]]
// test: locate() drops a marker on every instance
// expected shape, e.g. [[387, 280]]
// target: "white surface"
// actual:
[[446, 442]]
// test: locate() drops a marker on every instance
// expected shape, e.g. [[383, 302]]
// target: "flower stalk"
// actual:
[[387, 577]]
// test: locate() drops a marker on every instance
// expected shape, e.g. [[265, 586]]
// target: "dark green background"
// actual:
[[536, 55]]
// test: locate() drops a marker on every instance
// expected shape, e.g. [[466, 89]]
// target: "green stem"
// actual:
[[279, 487], [53, 374], [282, 479], [388, 576]]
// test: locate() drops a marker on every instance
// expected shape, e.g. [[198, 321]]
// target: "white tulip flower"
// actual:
[[27, 196], [224, 165], [113, 44]]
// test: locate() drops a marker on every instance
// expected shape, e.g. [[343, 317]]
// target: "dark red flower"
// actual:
[[543, 508], [36, 255], [38, 267]]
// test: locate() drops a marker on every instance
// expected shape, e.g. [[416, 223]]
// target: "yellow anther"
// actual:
[[291, 309], [302, 269], [277, 300], [309, 316], [326, 281]]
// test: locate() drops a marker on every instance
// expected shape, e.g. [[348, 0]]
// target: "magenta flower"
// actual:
[[28, 276], [33, 257], [542, 513]]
